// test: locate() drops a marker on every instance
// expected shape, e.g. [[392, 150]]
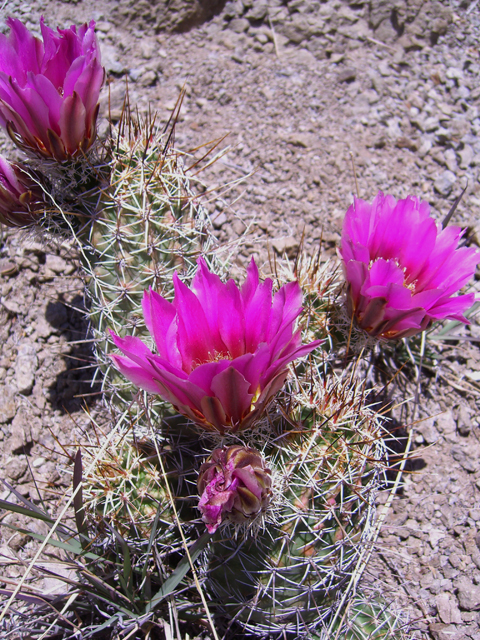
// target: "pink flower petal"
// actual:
[[161, 320], [232, 391], [194, 340]]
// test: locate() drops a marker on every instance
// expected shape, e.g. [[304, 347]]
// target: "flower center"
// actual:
[[216, 356], [411, 286]]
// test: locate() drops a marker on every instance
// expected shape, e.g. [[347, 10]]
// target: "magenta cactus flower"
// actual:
[[49, 90], [234, 484], [222, 352], [21, 201], [402, 272]]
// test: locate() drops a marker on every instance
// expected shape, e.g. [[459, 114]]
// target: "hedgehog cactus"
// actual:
[[147, 225], [325, 465], [366, 618], [127, 488]]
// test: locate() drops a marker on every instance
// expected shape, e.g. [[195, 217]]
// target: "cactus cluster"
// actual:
[[280, 461]]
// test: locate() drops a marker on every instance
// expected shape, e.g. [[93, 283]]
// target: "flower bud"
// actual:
[[233, 484]]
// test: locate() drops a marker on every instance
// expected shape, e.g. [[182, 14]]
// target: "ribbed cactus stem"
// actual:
[[147, 223], [366, 618], [326, 463]]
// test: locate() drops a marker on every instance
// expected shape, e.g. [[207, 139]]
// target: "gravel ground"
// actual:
[[299, 88]]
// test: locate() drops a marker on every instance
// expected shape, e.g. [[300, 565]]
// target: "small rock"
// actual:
[[430, 124], [464, 421], [428, 431], [110, 59], [288, 245], [466, 156], [468, 594], [474, 514], [19, 440], [134, 74], [55, 264], [16, 467], [459, 127], [43, 329], [380, 10], [425, 146], [219, 219], [444, 183], [453, 73], [448, 610], [434, 537], [148, 78], [302, 27], [258, 11], [239, 25], [26, 365], [238, 56], [347, 75], [7, 267], [303, 56], [406, 143], [7, 403], [300, 140], [466, 460], [442, 631], [103, 26], [11, 305], [148, 49], [451, 160]]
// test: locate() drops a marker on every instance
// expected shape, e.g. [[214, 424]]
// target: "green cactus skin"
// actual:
[[127, 488], [282, 581], [147, 224], [366, 618]]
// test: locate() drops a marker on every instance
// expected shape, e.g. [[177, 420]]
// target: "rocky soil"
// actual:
[[300, 88]]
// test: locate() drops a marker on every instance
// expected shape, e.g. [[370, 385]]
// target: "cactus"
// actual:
[[147, 224], [325, 461], [366, 618]]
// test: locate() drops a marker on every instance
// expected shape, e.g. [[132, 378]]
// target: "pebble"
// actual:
[[288, 245], [442, 631], [447, 607], [467, 459], [7, 403], [468, 594], [466, 156], [26, 365], [444, 183], [347, 75], [239, 25], [15, 467], [110, 59], [219, 219]]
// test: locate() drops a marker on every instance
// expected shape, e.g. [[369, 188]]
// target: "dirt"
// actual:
[[300, 89]]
